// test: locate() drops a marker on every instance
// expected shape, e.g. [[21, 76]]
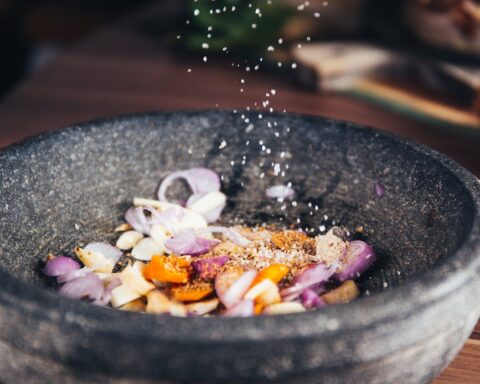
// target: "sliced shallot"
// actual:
[[73, 275], [60, 265], [186, 242], [313, 275], [358, 257], [208, 269], [231, 234], [244, 308], [89, 286], [310, 299], [200, 180], [229, 290]]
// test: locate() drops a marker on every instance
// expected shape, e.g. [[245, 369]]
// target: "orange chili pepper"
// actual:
[[191, 292], [169, 269], [274, 272], [257, 310]]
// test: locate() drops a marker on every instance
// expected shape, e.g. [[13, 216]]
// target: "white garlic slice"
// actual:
[[147, 248], [283, 308], [260, 288], [209, 202], [203, 307], [160, 234], [132, 277], [95, 260], [128, 240]]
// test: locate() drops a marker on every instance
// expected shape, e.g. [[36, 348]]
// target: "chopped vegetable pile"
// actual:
[[169, 260]]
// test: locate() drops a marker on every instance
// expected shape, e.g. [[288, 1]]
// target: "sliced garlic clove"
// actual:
[[122, 295], [137, 305], [190, 219], [132, 276], [209, 202], [269, 297], [202, 307], [123, 227], [158, 303], [260, 288], [147, 248], [160, 234], [128, 240], [95, 260], [283, 308]]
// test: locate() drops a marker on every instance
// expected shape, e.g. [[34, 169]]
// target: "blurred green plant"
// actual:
[[246, 27]]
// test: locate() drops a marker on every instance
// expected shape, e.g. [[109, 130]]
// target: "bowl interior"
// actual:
[[73, 186]]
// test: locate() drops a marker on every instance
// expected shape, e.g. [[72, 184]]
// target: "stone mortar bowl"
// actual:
[[419, 304]]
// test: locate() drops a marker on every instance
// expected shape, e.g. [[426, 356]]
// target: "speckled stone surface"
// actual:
[[72, 186]]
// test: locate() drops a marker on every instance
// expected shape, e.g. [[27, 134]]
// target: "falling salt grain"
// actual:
[[270, 48], [205, 46], [279, 64], [254, 26], [316, 14], [280, 41], [205, 59], [189, 70], [385, 284], [196, 12], [294, 65], [222, 145], [273, 91]]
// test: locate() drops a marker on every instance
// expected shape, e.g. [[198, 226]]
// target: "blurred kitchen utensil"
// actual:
[[448, 93]]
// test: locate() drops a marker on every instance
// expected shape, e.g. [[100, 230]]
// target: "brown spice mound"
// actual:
[[292, 248]]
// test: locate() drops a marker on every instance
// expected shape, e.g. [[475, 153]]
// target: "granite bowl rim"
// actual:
[[443, 279]]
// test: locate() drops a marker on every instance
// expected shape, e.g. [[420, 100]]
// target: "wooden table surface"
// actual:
[[121, 70]]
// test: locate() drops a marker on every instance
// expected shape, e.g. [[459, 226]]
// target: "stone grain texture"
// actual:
[[72, 186]]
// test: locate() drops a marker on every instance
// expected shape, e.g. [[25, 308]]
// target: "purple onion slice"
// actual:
[[187, 243], [208, 268], [200, 180], [315, 275], [231, 234], [89, 286], [244, 308], [310, 299], [359, 256], [60, 265]]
